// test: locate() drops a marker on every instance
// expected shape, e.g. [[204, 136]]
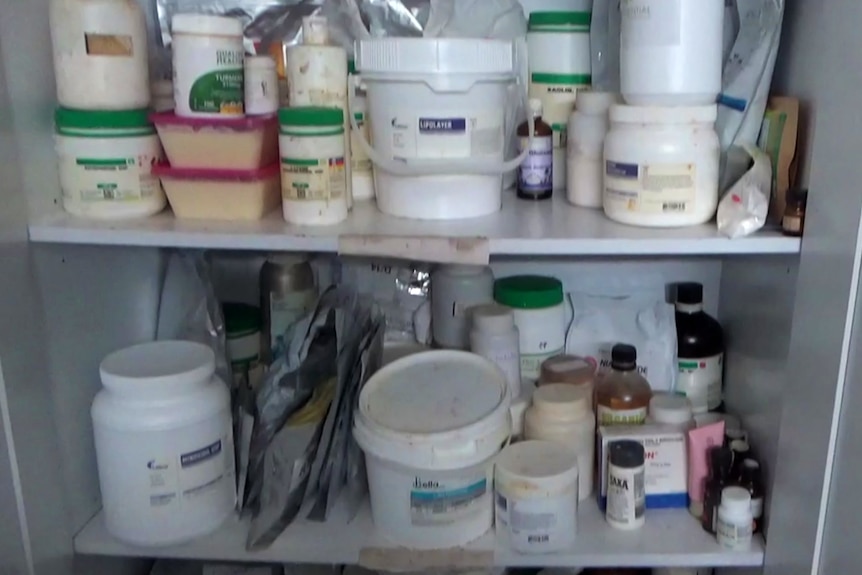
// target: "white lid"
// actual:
[[736, 499], [535, 107], [439, 409], [670, 408], [663, 115], [519, 407], [435, 56], [206, 24], [563, 400], [595, 103], [549, 463], [315, 30], [260, 62], [157, 368], [492, 318]]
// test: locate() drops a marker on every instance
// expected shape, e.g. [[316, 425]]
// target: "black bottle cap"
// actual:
[[624, 357], [626, 454], [689, 293]]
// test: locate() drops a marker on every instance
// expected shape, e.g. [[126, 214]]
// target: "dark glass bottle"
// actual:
[[720, 463], [793, 220], [536, 173], [700, 350], [750, 478], [741, 451]]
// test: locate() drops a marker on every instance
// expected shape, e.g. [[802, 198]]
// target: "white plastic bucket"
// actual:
[[440, 111], [430, 425]]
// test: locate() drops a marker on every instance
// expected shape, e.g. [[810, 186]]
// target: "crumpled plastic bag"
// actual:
[[743, 209]]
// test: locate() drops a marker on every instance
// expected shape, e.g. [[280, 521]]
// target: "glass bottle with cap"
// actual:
[[623, 395], [671, 410], [720, 463], [626, 493], [751, 480], [287, 292], [700, 350], [536, 173]]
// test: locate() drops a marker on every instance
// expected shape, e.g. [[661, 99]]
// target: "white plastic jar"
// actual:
[[735, 523], [563, 413], [537, 303], [671, 52], [261, 85], [313, 175], [495, 337], [100, 54], [164, 443], [454, 290], [208, 58], [671, 410], [661, 166], [536, 486], [105, 161], [588, 126]]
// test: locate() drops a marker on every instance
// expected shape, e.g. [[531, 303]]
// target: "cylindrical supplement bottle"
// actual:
[[700, 343], [735, 521], [455, 289], [623, 395], [626, 497], [495, 337], [535, 176]]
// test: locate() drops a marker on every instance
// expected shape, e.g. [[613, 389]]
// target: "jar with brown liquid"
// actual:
[[622, 395]]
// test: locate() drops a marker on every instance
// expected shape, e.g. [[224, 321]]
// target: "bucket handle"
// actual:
[[439, 167]]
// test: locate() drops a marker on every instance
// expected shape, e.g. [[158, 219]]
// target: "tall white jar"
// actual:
[[100, 54], [588, 126], [661, 165], [164, 443]]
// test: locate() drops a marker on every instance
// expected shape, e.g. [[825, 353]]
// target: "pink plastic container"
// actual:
[[221, 194], [221, 144]]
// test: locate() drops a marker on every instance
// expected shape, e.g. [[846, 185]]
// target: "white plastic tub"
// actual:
[[430, 425]]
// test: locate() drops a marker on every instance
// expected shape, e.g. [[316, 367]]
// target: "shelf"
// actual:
[[671, 538], [521, 228]]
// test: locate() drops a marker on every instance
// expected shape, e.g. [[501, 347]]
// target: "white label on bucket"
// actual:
[[445, 135], [539, 525], [647, 23], [653, 188], [434, 502]]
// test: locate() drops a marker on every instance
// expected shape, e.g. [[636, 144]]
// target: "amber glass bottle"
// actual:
[[622, 395], [535, 176]]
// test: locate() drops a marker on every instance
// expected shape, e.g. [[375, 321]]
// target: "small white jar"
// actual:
[[208, 59], [495, 337], [734, 527], [105, 161], [261, 86], [661, 166], [313, 175], [540, 314], [536, 486], [454, 290], [671, 410], [588, 126], [563, 413], [671, 52]]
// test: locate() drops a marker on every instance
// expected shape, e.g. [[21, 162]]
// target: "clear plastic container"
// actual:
[[623, 395]]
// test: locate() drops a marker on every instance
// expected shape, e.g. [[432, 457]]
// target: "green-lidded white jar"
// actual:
[[105, 161], [313, 175], [558, 44], [242, 334]]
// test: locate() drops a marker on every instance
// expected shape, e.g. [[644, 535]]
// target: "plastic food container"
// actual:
[[220, 194], [219, 144], [430, 425]]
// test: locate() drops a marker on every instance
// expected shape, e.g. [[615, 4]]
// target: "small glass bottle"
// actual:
[[750, 479], [536, 173], [623, 395], [793, 222], [720, 463]]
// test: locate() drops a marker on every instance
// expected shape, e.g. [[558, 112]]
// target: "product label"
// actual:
[[537, 525], [648, 23], [650, 189], [109, 45], [445, 135], [358, 158], [434, 502], [531, 363], [733, 536], [558, 93], [608, 416], [626, 498], [313, 180], [109, 179], [700, 381], [286, 309], [218, 85], [536, 173]]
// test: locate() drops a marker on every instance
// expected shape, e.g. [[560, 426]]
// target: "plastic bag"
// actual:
[[743, 209]]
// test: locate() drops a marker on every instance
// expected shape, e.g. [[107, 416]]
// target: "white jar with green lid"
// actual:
[[313, 174], [540, 314], [105, 160]]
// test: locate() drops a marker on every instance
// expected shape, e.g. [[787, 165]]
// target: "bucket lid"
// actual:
[[434, 410], [552, 463], [206, 24], [663, 115], [158, 368], [563, 400], [311, 116], [241, 319], [528, 292], [86, 122], [559, 21], [435, 56]]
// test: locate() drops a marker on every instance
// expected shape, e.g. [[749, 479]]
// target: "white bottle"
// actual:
[[735, 520], [261, 86], [626, 495], [495, 337], [454, 290], [585, 165]]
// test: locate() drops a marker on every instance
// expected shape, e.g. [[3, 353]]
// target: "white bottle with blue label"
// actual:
[[536, 174]]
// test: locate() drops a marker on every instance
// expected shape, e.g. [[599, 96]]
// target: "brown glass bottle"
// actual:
[[536, 173], [720, 464], [622, 395], [750, 479], [793, 222]]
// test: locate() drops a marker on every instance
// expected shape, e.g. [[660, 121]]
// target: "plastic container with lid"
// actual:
[[661, 165], [622, 395], [164, 443], [626, 504], [208, 61], [671, 410], [536, 486], [100, 54], [671, 52], [540, 314], [430, 425], [495, 337], [571, 369], [585, 168], [242, 337], [218, 144], [735, 523], [105, 163], [564, 413], [229, 195], [313, 173], [261, 85], [700, 353], [454, 290]]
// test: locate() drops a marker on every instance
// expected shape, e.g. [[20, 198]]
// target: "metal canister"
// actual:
[[287, 292]]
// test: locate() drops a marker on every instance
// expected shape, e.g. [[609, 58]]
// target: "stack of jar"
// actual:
[[660, 152]]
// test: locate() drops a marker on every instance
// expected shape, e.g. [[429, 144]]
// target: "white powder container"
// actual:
[[261, 85], [588, 126]]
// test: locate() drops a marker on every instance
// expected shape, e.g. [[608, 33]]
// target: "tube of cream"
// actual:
[[700, 440]]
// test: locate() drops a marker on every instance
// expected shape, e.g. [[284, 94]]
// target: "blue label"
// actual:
[[200, 455], [620, 170], [442, 125]]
